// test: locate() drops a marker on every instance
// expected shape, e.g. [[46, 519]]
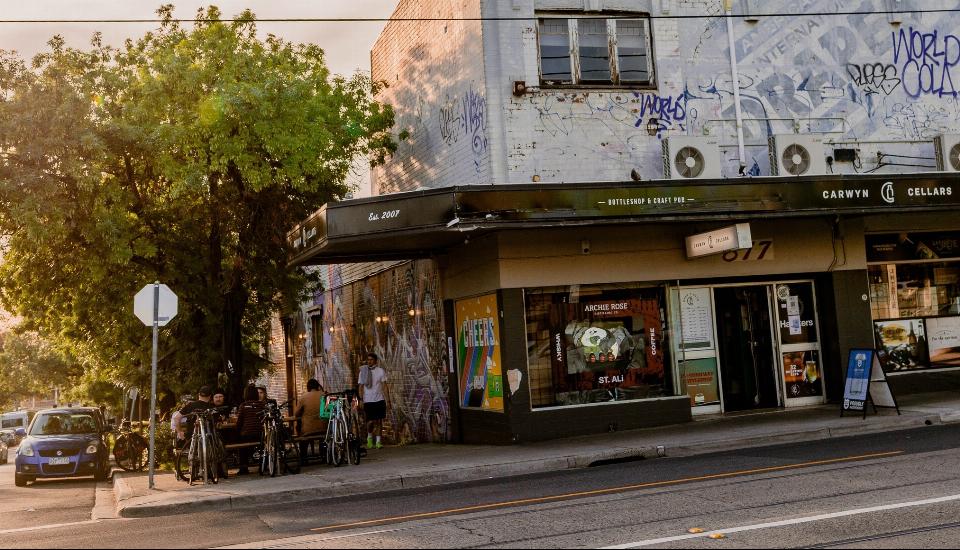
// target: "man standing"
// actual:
[[375, 394]]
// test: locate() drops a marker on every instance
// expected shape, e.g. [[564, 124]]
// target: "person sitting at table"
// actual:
[[307, 412], [249, 424]]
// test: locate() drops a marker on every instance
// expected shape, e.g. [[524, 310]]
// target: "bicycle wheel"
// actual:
[[291, 455], [342, 441], [334, 445], [210, 464], [122, 453], [181, 464], [353, 449], [139, 451]]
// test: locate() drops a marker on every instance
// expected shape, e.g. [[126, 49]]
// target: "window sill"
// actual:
[[560, 88]]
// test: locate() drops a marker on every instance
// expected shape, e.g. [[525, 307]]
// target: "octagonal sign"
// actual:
[[143, 305]]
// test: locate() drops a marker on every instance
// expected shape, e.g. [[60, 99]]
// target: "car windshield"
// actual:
[[63, 424]]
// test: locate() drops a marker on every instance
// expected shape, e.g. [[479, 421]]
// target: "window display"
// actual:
[[595, 344]]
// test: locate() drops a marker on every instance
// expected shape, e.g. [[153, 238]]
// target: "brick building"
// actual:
[[621, 213]]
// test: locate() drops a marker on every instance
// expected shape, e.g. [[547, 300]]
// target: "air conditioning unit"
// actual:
[[691, 158], [947, 147], [797, 155]]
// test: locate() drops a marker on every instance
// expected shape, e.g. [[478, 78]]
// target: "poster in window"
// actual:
[[904, 343], [802, 374], [609, 347], [796, 313], [943, 340], [699, 376], [478, 353]]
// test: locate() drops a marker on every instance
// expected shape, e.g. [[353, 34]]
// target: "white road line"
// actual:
[[784, 523], [51, 526]]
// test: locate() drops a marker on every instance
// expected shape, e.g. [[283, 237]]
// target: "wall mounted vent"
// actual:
[[947, 148], [797, 155], [687, 158]]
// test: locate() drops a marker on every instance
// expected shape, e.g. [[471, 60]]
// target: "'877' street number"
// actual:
[[762, 250]]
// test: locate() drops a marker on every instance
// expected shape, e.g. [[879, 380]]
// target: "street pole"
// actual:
[[153, 380]]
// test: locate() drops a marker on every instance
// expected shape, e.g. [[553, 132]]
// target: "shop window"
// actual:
[[596, 344], [915, 298], [316, 334], [595, 51]]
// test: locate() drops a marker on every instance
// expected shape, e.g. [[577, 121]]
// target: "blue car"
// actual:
[[64, 443]]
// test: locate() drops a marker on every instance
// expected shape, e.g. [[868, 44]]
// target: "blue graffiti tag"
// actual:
[[669, 109], [926, 61]]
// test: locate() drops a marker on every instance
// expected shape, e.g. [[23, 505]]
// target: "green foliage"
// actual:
[[184, 157], [30, 366]]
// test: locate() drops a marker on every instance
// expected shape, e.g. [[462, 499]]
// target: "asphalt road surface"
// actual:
[[897, 489]]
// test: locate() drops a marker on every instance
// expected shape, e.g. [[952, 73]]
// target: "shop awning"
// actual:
[[417, 224]]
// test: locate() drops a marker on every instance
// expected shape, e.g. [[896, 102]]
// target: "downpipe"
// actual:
[[735, 71]]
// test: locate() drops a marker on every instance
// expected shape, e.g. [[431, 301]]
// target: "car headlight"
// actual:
[[25, 450], [92, 449]]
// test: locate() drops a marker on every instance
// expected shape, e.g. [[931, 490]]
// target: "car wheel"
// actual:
[[21, 481]]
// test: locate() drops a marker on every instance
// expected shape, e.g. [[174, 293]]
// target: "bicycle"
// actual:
[[130, 449], [205, 452], [278, 448], [342, 442]]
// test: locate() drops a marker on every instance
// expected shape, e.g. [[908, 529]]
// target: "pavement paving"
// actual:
[[418, 466]]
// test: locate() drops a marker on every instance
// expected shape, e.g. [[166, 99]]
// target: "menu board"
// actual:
[[858, 379], [696, 319]]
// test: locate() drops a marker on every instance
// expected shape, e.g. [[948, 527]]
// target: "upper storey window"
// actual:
[[595, 51]]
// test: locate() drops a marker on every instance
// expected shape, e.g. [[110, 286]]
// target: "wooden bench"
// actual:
[[233, 451], [310, 441]]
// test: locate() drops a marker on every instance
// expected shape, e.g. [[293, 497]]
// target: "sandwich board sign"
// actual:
[[866, 381]]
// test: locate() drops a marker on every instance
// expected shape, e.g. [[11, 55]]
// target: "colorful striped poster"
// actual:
[[478, 353]]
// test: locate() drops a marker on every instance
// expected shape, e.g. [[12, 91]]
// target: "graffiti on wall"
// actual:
[[465, 117], [398, 315], [928, 62]]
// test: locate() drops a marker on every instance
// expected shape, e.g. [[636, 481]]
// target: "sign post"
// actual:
[[154, 305]]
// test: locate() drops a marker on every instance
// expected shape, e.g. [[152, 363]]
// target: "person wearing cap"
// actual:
[[203, 402]]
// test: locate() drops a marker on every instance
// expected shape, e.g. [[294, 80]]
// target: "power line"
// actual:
[[474, 19]]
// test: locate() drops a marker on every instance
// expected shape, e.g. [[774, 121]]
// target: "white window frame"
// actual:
[[574, 41]]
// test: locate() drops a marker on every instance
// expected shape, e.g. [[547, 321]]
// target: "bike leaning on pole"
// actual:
[[202, 457], [279, 449]]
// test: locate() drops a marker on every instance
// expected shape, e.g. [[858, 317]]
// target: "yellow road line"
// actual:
[[607, 491]]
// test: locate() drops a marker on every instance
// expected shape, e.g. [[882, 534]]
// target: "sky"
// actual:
[[347, 45]]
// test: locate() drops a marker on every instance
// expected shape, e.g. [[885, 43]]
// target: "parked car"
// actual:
[[10, 437], [4, 452], [66, 442]]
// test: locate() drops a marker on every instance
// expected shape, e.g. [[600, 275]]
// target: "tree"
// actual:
[[30, 366], [186, 156]]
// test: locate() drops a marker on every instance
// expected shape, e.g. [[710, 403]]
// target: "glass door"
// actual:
[[798, 335]]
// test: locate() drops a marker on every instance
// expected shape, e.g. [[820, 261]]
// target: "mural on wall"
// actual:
[[850, 76], [397, 314]]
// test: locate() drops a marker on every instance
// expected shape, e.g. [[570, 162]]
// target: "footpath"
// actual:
[[418, 466]]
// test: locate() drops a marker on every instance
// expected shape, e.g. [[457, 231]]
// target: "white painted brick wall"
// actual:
[[798, 73], [435, 75]]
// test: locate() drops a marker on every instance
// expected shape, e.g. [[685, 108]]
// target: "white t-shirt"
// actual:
[[374, 392]]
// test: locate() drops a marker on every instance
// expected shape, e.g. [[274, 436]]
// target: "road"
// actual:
[[891, 490]]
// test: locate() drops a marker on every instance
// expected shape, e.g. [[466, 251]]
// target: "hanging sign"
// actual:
[[735, 237]]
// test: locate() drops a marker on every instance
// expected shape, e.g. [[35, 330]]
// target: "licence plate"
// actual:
[[59, 461]]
